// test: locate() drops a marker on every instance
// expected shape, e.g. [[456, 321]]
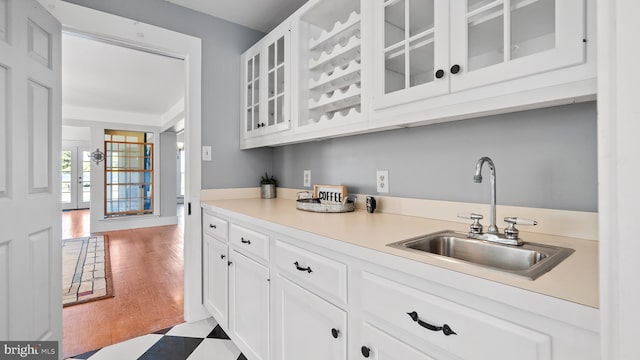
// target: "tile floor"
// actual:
[[196, 341]]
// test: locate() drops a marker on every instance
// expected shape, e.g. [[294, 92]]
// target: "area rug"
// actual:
[[86, 270]]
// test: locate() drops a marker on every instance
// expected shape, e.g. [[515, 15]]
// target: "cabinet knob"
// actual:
[[229, 263], [365, 351], [335, 332], [455, 69], [222, 256], [258, 125], [439, 74]]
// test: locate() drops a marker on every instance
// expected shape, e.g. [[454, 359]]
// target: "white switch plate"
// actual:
[[206, 153], [382, 181], [307, 178]]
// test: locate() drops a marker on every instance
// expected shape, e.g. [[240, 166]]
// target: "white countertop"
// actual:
[[575, 279]]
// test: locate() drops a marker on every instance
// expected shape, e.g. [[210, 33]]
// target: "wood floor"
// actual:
[[147, 268]]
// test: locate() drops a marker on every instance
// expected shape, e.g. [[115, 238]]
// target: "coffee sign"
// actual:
[[330, 193]]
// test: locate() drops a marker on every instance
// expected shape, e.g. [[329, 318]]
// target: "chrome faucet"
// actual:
[[493, 229]]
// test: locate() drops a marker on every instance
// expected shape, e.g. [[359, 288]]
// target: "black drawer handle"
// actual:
[[242, 240], [213, 226], [445, 328], [335, 333], [365, 351], [307, 269], [222, 256]]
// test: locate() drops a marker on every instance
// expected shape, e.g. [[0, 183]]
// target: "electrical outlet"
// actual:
[[206, 153], [307, 178], [382, 181]]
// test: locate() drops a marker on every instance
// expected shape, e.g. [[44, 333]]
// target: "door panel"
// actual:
[[30, 132]]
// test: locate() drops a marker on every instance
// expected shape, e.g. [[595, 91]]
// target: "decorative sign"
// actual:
[[330, 193]]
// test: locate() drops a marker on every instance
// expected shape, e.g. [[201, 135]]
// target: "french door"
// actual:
[[76, 178]]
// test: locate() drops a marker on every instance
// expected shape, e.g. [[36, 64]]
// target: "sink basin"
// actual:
[[530, 260]]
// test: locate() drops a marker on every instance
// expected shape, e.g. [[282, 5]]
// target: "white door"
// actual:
[[489, 44], [249, 305], [377, 345], [215, 278], [307, 326], [30, 133], [75, 173]]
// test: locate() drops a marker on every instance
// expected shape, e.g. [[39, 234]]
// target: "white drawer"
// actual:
[[408, 313], [214, 226], [249, 242], [315, 272]]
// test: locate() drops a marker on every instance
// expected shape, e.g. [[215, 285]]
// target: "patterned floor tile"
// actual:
[[198, 329], [218, 333], [130, 349], [215, 349], [172, 348]]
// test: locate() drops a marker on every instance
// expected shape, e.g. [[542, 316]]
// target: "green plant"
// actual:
[[266, 180]]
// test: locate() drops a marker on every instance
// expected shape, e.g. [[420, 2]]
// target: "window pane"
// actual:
[[394, 23], [486, 38], [394, 75]]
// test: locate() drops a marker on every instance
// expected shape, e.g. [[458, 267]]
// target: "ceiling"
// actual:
[[104, 76], [261, 15]]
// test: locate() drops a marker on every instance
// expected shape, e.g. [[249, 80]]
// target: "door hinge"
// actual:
[[189, 209]]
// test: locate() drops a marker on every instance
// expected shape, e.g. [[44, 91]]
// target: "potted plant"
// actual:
[[268, 186]]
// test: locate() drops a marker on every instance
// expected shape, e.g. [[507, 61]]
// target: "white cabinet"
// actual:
[[308, 327], [375, 344], [215, 268], [427, 48], [249, 306], [266, 72]]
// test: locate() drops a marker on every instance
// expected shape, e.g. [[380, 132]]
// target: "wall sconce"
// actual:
[[97, 156]]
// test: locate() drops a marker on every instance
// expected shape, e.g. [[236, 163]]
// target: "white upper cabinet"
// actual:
[[489, 44], [412, 50], [427, 48], [266, 80], [330, 55]]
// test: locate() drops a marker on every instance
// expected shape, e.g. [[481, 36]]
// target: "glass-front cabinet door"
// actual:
[[411, 50], [498, 40], [277, 89], [252, 119], [266, 93]]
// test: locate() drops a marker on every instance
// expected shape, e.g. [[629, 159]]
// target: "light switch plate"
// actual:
[[206, 153], [307, 178], [382, 181]]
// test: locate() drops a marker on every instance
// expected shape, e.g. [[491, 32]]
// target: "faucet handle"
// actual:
[[475, 227], [470, 216], [510, 231]]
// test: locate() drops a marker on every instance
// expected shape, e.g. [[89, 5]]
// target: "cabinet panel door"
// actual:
[[307, 324], [252, 81], [491, 45], [377, 345], [215, 279], [277, 67], [411, 52], [249, 306]]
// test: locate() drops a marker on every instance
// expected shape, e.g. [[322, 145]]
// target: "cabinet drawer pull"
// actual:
[[307, 269], [222, 256], [445, 328], [335, 332], [213, 226], [242, 240], [229, 263], [365, 351]]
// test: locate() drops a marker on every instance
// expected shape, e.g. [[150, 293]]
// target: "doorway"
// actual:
[[76, 178]]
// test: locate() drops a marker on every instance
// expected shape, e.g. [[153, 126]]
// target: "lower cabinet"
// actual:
[[307, 327], [249, 306], [215, 276], [375, 344]]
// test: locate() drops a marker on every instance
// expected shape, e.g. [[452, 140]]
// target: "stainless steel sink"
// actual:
[[529, 260]]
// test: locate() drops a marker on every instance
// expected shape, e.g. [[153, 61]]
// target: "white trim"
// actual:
[[179, 45], [618, 173]]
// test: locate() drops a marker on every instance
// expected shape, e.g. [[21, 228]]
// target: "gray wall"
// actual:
[[222, 44], [544, 158]]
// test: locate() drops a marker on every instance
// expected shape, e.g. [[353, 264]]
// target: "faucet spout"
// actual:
[[493, 229]]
